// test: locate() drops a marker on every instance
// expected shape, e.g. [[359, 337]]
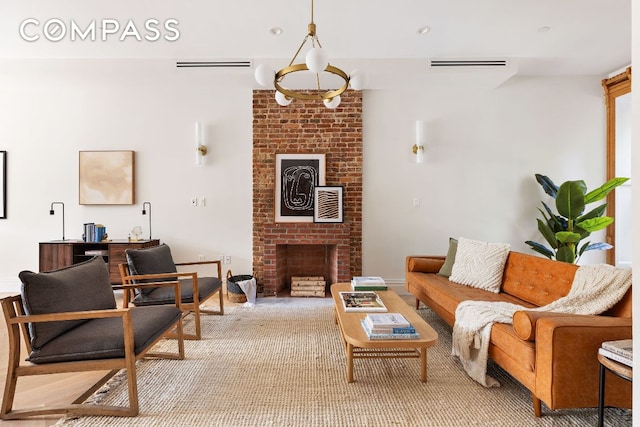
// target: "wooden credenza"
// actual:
[[58, 254]]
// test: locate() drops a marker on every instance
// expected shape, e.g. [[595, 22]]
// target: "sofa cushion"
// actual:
[[450, 258], [537, 280], [425, 265], [152, 260], [79, 287], [79, 343], [479, 264]]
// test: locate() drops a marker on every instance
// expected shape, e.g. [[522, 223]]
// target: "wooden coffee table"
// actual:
[[359, 346]]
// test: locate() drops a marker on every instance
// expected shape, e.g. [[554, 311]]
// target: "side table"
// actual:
[[619, 369]]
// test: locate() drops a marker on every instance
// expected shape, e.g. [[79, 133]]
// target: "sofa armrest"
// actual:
[[567, 367], [424, 263], [524, 322]]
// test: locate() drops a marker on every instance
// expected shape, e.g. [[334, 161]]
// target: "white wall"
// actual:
[[483, 148], [635, 190], [482, 151], [50, 110]]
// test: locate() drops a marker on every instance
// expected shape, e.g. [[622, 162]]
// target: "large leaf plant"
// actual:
[[564, 230]]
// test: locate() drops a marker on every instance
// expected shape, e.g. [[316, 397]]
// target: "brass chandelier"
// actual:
[[317, 62]]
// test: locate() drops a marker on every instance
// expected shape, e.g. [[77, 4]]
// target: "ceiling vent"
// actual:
[[213, 64], [468, 63]]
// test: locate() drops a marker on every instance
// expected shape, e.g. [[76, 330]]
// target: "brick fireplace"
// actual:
[[305, 249], [281, 250]]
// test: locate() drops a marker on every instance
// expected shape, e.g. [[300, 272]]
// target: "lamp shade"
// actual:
[[282, 100], [317, 60], [358, 80], [332, 103], [264, 75]]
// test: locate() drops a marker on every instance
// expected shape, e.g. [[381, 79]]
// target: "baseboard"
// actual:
[[397, 286]]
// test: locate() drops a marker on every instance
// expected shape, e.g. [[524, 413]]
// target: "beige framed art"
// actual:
[[107, 177]]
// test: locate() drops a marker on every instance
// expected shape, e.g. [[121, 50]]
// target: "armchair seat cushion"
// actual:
[[166, 294], [104, 338]]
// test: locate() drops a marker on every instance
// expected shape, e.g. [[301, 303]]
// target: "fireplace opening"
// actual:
[[305, 260]]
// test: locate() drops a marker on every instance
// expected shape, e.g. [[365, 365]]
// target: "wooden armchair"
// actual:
[[70, 323], [156, 264]]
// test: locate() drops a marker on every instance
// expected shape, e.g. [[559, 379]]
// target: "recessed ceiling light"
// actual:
[[423, 30], [543, 29], [276, 31]]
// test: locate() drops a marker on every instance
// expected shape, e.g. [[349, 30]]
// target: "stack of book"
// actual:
[[386, 326], [620, 351], [94, 232], [368, 283]]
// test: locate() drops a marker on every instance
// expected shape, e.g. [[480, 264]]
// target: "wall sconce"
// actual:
[[201, 149], [144, 212], [418, 147], [52, 212]]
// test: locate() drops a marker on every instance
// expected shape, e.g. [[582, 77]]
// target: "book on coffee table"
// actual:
[[362, 301], [615, 356], [622, 347], [388, 336]]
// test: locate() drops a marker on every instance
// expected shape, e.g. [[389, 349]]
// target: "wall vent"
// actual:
[[213, 64], [470, 63]]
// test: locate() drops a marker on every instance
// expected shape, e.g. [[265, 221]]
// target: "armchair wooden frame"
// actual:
[[17, 320], [193, 307]]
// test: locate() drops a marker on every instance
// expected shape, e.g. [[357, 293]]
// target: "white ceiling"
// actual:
[[586, 37]]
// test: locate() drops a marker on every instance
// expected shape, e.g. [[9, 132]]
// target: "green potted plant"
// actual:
[[564, 230]]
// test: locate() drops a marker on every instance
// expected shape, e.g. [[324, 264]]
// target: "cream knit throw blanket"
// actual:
[[594, 290]]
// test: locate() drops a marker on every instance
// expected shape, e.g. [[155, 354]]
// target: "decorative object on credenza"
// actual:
[[136, 232], [564, 231], [316, 62], [297, 175], [3, 185], [107, 177], [328, 204], [418, 147], [53, 212], [201, 148], [144, 212]]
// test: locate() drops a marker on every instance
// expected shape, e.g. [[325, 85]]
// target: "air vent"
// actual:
[[213, 64], [462, 63]]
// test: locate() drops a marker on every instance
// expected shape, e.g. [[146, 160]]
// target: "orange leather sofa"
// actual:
[[554, 355]]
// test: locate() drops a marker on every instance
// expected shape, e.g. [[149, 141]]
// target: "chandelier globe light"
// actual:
[[317, 62]]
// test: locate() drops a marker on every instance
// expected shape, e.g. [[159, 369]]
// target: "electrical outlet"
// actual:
[[194, 202], [227, 259], [202, 202], [416, 202], [200, 257]]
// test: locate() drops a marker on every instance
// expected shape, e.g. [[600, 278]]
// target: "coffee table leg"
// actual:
[[349, 363], [423, 365]]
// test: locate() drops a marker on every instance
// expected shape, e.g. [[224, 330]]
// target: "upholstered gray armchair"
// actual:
[[156, 264], [70, 323]]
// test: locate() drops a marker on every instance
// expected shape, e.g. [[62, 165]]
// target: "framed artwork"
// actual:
[[3, 185], [297, 176], [328, 204], [107, 177]]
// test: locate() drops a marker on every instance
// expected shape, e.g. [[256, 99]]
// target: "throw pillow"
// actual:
[[480, 264], [450, 259]]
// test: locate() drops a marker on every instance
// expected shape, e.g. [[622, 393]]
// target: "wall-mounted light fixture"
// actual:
[[418, 147], [52, 212], [201, 149], [144, 212]]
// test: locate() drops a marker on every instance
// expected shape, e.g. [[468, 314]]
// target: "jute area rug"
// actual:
[[284, 365]]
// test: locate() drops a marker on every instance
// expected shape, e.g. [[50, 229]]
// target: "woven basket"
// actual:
[[234, 293]]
